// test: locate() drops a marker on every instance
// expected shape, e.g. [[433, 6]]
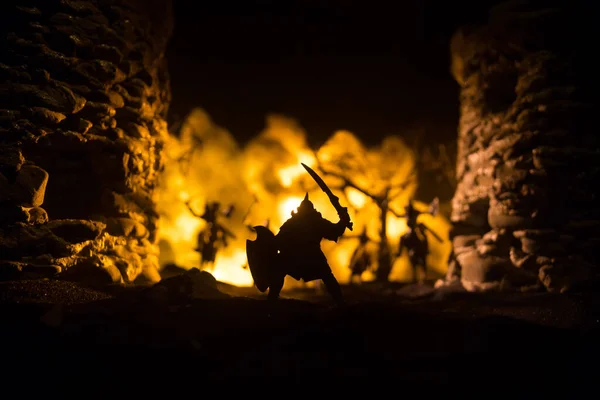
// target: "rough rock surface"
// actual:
[[83, 101], [525, 209]]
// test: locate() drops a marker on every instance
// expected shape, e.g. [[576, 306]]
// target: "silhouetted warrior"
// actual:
[[415, 240], [362, 258], [214, 236], [296, 249]]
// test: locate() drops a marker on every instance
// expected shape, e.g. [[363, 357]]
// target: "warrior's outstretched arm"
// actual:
[[435, 235], [187, 203], [331, 231], [227, 232]]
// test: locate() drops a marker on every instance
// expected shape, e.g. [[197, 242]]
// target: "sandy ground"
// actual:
[[402, 335]]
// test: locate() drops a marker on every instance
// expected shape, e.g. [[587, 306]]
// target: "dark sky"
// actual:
[[370, 68]]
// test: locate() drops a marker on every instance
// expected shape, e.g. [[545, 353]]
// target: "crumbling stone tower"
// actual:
[[83, 101], [525, 211]]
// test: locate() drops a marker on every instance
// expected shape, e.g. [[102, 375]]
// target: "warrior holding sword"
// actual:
[[296, 249]]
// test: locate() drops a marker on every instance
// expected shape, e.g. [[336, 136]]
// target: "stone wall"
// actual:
[[83, 101], [525, 210]]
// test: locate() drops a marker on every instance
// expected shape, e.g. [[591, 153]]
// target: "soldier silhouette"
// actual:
[[361, 259], [415, 240], [296, 251], [214, 236]]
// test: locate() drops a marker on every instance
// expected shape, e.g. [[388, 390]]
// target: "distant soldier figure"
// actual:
[[362, 258], [415, 240], [214, 236], [296, 249]]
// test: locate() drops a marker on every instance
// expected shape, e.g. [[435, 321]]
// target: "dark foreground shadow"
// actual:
[[149, 336]]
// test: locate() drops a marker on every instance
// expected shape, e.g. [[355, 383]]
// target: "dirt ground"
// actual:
[[397, 335]]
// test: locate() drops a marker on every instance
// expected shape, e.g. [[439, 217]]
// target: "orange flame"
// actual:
[[268, 170]]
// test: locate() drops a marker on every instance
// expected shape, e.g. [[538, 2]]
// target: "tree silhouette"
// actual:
[[346, 159]]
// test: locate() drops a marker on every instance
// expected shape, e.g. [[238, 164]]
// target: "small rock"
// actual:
[[76, 124], [101, 71], [126, 227], [11, 161], [460, 241], [98, 269], [28, 189], [94, 110], [522, 260], [41, 271], [83, 125], [55, 96], [47, 116], [170, 270], [75, 230], [149, 275], [115, 99], [486, 249], [499, 219], [37, 216], [478, 268], [108, 53], [193, 284], [137, 131], [32, 11]]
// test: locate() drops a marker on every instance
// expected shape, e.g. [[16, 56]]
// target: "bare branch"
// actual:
[[346, 182], [397, 214], [402, 186]]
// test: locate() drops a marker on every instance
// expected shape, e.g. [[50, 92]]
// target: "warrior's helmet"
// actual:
[[210, 211], [411, 213], [305, 206], [410, 209]]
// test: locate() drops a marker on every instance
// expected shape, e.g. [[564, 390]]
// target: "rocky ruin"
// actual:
[[524, 211], [83, 103], [82, 123]]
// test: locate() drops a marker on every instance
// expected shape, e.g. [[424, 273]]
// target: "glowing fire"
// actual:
[[287, 175], [287, 206], [356, 198], [227, 268], [265, 181]]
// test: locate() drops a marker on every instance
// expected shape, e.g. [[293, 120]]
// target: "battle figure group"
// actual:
[[296, 249]]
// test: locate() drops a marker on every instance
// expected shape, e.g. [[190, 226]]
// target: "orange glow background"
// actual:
[[268, 169]]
